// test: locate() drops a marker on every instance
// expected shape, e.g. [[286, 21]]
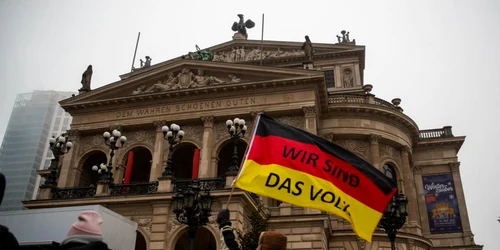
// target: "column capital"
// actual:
[[255, 113], [417, 169], [454, 166], [310, 111], [405, 149], [374, 138], [117, 127], [159, 124], [208, 121]]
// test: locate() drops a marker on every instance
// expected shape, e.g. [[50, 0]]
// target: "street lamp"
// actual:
[[101, 171], [192, 208], [174, 136], [237, 130], [111, 141], [394, 217], [59, 146]]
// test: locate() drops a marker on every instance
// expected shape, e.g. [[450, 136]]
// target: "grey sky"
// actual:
[[440, 57]]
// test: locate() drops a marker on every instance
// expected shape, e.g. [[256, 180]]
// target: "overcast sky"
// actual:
[[440, 57]]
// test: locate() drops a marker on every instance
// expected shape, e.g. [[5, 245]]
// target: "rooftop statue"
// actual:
[[147, 63], [86, 78], [241, 28], [202, 55], [345, 38], [308, 48]]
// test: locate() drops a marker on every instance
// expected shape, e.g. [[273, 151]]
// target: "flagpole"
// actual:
[[262, 40], [254, 128], [135, 52]]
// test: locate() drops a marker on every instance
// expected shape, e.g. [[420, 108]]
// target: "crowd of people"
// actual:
[[86, 233]]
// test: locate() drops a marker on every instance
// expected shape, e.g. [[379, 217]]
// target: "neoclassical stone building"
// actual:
[[323, 93]]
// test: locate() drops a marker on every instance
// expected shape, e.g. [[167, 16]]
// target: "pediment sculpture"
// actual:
[[185, 80], [240, 54]]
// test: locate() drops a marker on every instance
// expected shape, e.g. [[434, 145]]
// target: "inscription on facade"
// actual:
[[186, 107]]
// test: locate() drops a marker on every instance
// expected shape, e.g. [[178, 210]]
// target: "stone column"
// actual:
[[66, 177], [459, 192], [158, 236], [419, 186], [411, 193], [206, 150], [311, 115], [374, 150], [156, 165]]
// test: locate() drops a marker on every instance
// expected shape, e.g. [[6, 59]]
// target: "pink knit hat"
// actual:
[[89, 223]]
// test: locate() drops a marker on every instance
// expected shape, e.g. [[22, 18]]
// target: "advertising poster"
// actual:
[[442, 204]]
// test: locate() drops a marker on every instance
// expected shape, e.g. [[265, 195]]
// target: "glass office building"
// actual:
[[35, 118]]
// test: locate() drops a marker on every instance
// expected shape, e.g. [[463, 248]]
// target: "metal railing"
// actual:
[[134, 189], [73, 193]]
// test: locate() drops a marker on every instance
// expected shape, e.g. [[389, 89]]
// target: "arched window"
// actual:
[[226, 153], [183, 160], [88, 176], [389, 171], [140, 166]]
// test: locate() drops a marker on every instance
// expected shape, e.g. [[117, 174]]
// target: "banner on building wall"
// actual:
[[442, 204]]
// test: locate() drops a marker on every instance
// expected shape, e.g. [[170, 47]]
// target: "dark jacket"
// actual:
[[227, 237], [96, 245], [7, 240]]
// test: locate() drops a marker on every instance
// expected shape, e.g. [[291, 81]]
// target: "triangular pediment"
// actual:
[[190, 77]]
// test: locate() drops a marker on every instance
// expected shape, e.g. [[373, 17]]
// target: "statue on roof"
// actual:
[[241, 27], [345, 37], [202, 55], [86, 78], [308, 48], [147, 63]]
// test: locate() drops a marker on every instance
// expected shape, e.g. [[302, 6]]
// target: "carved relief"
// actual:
[[375, 138], [294, 121], [146, 136], [356, 146], [238, 54], [193, 131], [255, 113], [173, 224], [73, 135], [327, 135], [185, 79], [143, 223], [92, 141], [220, 130], [386, 150]]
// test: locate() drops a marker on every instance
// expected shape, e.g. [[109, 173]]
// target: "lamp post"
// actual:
[[192, 208], [394, 217], [174, 136], [59, 146], [237, 130], [101, 171], [111, 141]]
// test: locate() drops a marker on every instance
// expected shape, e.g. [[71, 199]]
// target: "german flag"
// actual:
[[303, 169]]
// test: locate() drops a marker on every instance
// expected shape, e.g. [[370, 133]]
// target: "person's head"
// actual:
[[272, 240], [88, 224]]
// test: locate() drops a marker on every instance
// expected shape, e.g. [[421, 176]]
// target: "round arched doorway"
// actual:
[[88, 176], [140, 242], [204, 240]]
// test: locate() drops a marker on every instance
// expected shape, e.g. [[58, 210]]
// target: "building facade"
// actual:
[[24, 147], [319, 90]]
